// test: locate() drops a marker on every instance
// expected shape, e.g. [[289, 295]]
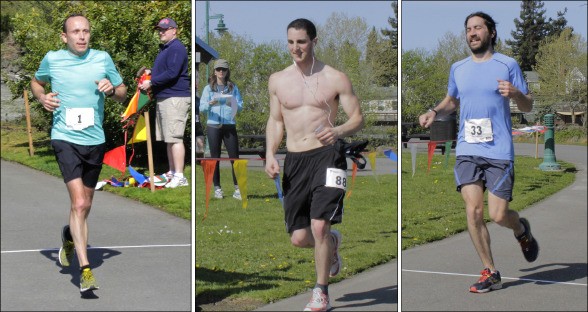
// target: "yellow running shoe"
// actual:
[[66, 251], [87, 280]]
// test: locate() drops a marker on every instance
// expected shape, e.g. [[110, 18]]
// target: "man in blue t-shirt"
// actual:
[[482, 86], [170, 84], [80, 79]]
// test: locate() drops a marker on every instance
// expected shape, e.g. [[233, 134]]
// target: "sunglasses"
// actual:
[[221, 69]]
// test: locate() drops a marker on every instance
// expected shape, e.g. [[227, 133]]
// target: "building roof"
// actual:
[[207, 53]]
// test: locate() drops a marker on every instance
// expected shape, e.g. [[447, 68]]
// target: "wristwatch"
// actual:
[[433, 110], [112, 93]]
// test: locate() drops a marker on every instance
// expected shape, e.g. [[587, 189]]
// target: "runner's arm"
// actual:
[[274, 130]]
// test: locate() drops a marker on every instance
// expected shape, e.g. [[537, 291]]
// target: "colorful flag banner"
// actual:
[[279, 189], [353, 173], [139, 99], [431, 150], [390, 154], [140, 131], [372, 158], [240, 168], [540, 129], [208, 167], [116, 158], [138, 177]]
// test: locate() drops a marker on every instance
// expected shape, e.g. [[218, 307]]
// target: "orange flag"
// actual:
[[139, 99], [353, 172], [208, 167], [431, 149], [116, 158], [240, 168], [140, 131]]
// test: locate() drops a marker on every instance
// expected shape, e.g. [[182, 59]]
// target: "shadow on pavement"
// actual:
[[231, 278], [384, 295], [569, 272], [96, 256]]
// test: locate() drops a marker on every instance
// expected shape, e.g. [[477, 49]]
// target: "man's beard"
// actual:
[[484, 46]]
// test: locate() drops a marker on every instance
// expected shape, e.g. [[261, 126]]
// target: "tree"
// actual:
[[531, 29], [562, 69], [392, 34]]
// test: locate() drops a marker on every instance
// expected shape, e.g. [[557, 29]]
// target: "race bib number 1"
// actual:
[[79, 118], [336, 178], [478, 130]]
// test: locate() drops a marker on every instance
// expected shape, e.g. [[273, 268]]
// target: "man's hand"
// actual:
[[104, 85], [327, 135], [145, 85], [50, 101], [426, 119], [506, 89], [272, 167]]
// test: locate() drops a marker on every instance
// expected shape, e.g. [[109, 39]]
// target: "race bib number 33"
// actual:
[[336, 178], [478, 130], [79, 118]]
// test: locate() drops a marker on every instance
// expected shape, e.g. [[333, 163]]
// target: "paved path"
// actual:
[[436, 276], [141, 255], [373, 290]]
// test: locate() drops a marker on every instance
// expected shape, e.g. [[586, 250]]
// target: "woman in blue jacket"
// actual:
[[221, 100]]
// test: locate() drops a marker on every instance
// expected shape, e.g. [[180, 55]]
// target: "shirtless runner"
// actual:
[[304, 99]]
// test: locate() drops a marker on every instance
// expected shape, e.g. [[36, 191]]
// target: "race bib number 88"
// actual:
[[336, 178]]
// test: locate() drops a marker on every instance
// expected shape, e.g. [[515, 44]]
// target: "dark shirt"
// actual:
[[169, 75]]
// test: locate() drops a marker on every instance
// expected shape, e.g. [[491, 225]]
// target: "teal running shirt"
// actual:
[[79, 117]]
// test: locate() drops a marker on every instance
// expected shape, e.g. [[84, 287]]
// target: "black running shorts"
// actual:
[[305, 195], [79, 161]]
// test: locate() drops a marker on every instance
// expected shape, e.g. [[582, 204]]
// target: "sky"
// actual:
[[264, 21], [449, 16]]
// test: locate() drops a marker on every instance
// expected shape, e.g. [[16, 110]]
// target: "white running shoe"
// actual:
[[218, 193], [237, 194], [177, 181], [318, 302]]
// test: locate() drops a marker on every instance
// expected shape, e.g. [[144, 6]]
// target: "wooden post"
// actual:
[[29, 130], [149, 152]]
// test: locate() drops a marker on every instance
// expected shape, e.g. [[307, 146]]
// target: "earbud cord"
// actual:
[[328, 113]]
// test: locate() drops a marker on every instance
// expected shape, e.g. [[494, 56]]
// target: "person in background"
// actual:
[[170, 85], [221, 100]]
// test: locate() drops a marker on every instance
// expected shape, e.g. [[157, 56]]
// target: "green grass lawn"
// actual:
[[246, 253], [432, 209], [15, 147]]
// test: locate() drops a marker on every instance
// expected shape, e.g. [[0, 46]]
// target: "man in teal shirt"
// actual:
[[80, 79]]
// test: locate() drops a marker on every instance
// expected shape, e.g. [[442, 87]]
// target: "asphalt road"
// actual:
[[141, 256], [436, 276]]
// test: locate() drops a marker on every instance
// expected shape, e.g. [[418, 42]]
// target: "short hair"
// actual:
[[302, 23], [64, 28], [490, 23]]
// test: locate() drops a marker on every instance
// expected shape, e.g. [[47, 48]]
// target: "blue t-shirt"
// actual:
[[74, 78], [475, 85], [221, 113]]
